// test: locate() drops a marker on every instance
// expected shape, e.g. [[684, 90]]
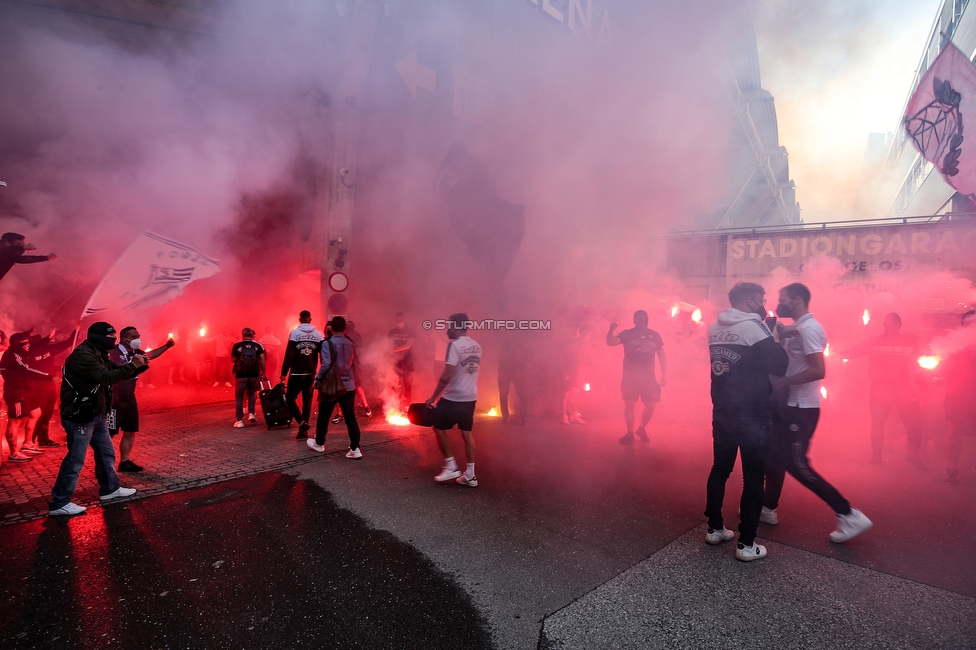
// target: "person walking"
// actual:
[[339, 351], [796, 412], [301, 360]]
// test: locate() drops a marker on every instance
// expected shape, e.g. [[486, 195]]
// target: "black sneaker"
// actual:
[[129, 466], [628, 438], [369, 412], [336, 418], [952, 476], [302, 431], [48, 443], [642, 434]]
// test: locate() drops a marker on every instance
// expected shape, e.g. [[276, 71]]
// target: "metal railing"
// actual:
[[823, 226]]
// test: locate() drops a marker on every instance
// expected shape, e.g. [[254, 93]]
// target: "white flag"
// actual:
[[944, 101], [151, 271]]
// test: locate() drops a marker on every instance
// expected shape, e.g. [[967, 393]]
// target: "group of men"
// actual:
[[765, 389]]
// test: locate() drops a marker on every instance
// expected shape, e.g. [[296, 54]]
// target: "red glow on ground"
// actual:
[[397, 419]]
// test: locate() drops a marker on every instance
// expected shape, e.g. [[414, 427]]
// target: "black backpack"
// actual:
[[247, 362]]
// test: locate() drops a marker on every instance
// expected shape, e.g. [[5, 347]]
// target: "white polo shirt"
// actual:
[[811, 339]]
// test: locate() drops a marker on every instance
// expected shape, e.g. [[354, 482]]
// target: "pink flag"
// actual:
[[935, 118]]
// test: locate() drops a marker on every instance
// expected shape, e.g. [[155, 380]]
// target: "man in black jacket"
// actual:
[[743, 355], [86, 397], [12, 249], [301, 362]]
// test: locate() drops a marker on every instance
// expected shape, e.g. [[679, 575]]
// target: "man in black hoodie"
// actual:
[[86, 397], [743, 355]]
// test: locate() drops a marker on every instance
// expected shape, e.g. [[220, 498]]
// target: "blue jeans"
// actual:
[[247, 385], [79, 437]]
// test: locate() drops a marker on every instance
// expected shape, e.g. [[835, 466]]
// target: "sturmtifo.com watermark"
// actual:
[[488, 324]]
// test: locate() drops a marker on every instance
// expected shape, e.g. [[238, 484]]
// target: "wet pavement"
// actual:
[[560, 513], [261, 562]]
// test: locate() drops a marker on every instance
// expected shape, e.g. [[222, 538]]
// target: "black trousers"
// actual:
[[750, 438], [45, 395], [300, 385], [347, 405], [793, 428]]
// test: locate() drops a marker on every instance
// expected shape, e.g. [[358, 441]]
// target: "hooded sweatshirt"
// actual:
[[302, 351], [743, 354]]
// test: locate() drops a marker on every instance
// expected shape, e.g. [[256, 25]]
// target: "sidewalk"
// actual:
[[189, 445]]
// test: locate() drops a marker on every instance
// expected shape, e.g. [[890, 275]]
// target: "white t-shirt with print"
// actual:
[[465, 355], [811, 339]]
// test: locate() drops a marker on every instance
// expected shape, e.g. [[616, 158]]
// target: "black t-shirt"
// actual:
[[401, 336], [247, 359], [640, 346]]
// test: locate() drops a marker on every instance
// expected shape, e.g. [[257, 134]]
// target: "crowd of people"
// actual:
[[765, 391]]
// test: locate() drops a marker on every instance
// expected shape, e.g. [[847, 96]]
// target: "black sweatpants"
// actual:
[[793, 428], [750, 438], [300, 385]]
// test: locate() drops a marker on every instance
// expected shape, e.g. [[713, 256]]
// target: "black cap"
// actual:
[[101, 328]]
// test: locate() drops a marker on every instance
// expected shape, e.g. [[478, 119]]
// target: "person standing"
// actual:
[[743, 355], [223, 342], [403, 338], [454, 400], [892, 370], [301, 360], [18, 395], [960, 405], [357, 340], [12, 248], [796, 412], [272, 348], [641, 344], [45, 353], [126, 407], [513, 361], [86, 396], [569, 360], [339, 350], [250, 361]]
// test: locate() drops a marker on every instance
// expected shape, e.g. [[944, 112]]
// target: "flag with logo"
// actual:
[[943, 103], [152, 271]]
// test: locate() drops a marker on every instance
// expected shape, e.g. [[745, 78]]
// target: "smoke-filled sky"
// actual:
[[838, 69]]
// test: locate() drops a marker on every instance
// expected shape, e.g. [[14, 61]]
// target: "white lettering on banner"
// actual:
[[873, 248]]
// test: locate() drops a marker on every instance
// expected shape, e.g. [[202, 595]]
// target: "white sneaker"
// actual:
[[216, 383], [470, 482], [768, 516], [447, 475], [118, 494], [68, 509], [252, 418], [313, 446], [850, 526], [750, 553], [718, 536], [227, 384], [239, 424], [354, 453], [576, 419]]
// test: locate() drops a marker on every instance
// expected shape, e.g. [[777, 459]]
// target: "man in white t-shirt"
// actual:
[[795, 420], [458, 392]]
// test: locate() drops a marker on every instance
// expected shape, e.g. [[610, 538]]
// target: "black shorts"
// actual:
[[126, 417], [448, 413], [640, 384], [17, 410]]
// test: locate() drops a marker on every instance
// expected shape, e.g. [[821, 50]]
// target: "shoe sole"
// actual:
[[472, 484], [447, 480], [109, 497], [750, 558], [60, 513]]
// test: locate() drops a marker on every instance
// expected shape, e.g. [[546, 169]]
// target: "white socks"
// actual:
[[469, 473], [450, 464]]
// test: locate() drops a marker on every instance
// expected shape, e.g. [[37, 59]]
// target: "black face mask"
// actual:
[[784, 311], [103, 343], [759, 309]]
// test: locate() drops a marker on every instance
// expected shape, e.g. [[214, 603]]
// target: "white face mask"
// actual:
[[135, 344]]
